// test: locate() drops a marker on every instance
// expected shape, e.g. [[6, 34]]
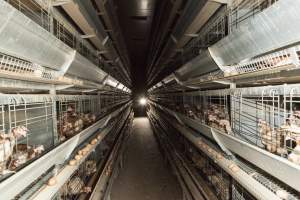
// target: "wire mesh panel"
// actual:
[[239, 193], [39, 12], [2, 118], [268, 117], [26, 131], [111, 100], [289, 131], [241, 10], [78, 183], [69, 122], [75, 114], [218, 179], [277, 60], [83, 180], [214, 30], [33, 10], [255, 118], [210, 109], [222, 183], [35, 124], [15, 66], [269, 120]]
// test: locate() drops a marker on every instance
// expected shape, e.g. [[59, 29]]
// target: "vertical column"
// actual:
[[52, 92]]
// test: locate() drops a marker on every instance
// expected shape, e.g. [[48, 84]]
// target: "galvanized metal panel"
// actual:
[[19, 181], [22, 37], [200, 65], [85, 69], [276, 27], [277, 166]]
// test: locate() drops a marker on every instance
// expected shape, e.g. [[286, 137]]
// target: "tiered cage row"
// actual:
[[78, 175], [223, 185], [227, 23], [34, 124], [83, 180], [54, 23], [253, 125], [39, 132], [267, 117]]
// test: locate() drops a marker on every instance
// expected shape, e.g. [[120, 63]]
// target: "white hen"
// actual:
[[7, 143]]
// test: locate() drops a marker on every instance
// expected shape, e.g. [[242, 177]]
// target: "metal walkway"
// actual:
[[145, 175]]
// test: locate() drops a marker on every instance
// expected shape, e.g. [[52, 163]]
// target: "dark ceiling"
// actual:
[[136, 17]]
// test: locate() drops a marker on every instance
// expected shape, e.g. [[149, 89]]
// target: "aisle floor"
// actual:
[[145, 175]]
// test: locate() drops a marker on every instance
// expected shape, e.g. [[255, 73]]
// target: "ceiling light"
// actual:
[[143, 101], [144, 4]]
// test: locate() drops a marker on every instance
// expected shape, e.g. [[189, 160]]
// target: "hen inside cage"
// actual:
[[27, 131], [270, 121]]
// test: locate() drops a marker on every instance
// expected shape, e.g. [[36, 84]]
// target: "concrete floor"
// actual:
[[145, 175]]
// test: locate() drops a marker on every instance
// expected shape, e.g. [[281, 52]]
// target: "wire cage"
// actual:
[[39, 12], [214, 30], [267, 117], [223, 184], [34, 11], [27, 129], [226, 187], [241, 10], [33, 124], [217, 178], [79, 183], [111, 100], [239, 193], [106, 101], [76, 113], [212, 109], [83, 180], [255, 115]]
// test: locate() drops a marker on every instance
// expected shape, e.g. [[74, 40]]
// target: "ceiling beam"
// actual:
[[88, 36], [60, 2]]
